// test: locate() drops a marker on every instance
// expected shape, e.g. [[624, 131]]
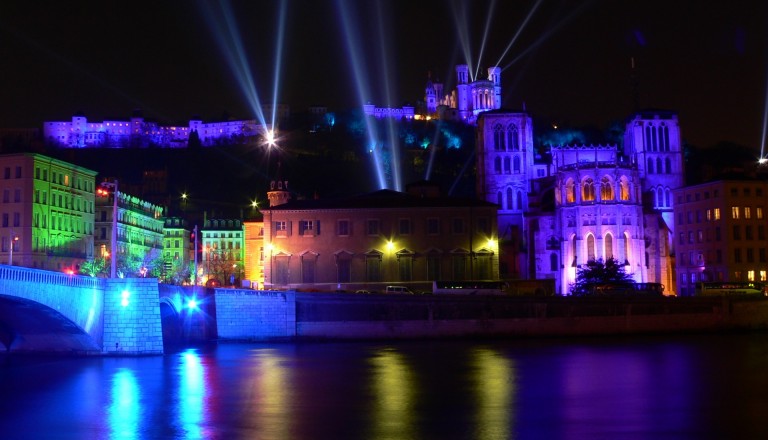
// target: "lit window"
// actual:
[[588, 190], [759, 213], [747, 212], [762, 275], [606, 189], [306, 227], [735, 212], [717, 213], [751, 275]]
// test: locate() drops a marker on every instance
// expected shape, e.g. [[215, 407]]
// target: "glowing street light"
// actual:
[[14, 240]]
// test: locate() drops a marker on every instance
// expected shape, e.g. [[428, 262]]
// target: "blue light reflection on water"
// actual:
[[192, 394], [703, 386], [125, 410]]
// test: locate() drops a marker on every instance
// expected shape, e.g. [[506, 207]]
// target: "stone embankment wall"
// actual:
[[255, 314], [266, 315]]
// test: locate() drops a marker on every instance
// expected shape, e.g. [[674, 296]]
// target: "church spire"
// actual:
[[278, 189]]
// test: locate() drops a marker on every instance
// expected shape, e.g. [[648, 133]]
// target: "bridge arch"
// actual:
[[30, 326]]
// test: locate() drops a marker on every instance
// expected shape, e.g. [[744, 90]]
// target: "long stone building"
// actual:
[[379, 238]]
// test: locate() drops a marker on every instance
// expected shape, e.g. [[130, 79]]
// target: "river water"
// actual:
[[650, 387]]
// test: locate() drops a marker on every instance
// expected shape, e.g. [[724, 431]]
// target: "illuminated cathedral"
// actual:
[[585, 202], [470, 98]]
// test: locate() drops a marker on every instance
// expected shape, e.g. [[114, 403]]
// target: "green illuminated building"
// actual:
[[139, 234], [47, 212]]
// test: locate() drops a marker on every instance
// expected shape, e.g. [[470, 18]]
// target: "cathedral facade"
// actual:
[[582, 202]]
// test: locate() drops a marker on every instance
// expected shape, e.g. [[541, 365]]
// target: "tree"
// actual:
[[94, 267], [599, 272]]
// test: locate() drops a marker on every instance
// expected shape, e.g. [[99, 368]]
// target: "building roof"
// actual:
[[385, 199]]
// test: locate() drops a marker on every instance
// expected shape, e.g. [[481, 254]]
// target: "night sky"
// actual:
[[570, 63]]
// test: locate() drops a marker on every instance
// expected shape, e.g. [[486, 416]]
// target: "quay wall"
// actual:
[[254, 315]]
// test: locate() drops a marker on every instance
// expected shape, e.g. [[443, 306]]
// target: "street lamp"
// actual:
[[14, 239], [113, 244]]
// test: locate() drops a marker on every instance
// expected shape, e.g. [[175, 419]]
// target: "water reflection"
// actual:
[[393, 391], [192, 395], [269, 395], [667, 387], [125, 411], [494, 384]]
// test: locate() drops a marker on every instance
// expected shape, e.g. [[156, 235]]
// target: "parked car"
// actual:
[[398, 289]]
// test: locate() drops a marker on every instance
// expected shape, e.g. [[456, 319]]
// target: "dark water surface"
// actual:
[[654, 387]]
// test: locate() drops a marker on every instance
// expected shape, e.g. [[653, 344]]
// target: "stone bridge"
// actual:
[[43, 311]]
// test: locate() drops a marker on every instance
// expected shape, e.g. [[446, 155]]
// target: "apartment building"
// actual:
[[721, 233], [47, 212]]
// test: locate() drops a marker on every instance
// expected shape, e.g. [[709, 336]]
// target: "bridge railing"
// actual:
[[48, 277]]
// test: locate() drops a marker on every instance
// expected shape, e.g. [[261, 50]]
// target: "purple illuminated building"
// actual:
[[465, 103], [137, 132], [589, 202]]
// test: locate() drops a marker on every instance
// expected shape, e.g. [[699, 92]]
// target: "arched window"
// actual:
[[608, 242], [498, 138], [516, 165], [650, 166], [668, 198], [569, 191], [659, 197], [606, 189], [553, 262], [668, 165], [663, 137], [659, 169], [590, 247], [497, 165], [506, 165], [509, 198], [624, 187], [516, 204], [588, 190], [520, 200], [512, 142], [648, 144]]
